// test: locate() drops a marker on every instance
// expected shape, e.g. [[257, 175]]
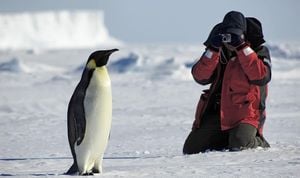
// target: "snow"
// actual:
[[154, 101], [54, 30]]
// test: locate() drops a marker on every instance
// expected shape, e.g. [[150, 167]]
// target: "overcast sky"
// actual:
[[176, 21]]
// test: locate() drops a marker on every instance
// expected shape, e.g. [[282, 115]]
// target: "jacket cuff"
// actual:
[[242, 46], [246, 50]]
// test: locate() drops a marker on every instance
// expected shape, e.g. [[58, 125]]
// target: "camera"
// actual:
[[226, 38]]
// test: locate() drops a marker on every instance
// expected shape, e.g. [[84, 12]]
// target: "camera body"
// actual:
[[226, 38]]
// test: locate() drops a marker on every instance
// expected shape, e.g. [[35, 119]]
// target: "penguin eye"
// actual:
[[91, 64]]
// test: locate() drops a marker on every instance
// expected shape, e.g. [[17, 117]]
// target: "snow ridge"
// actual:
[[285, 51], [163, 62]]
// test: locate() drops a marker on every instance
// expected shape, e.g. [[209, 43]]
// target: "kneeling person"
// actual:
[[231, 114]]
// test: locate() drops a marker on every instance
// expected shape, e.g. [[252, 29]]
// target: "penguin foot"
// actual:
[[88, 174], [96, 171]]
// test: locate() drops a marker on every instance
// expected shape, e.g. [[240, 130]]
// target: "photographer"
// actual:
[[231, 114]]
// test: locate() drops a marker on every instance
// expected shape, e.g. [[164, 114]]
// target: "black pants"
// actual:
[[210, 137]]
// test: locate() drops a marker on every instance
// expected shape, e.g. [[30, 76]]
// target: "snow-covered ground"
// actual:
[[154, 100]]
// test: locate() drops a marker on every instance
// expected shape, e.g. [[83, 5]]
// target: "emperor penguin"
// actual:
[[89, 115]]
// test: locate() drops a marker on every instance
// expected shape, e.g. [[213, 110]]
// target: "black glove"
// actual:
[[216, 41], [236, 40]]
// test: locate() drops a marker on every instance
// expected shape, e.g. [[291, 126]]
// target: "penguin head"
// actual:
[[99, 58]]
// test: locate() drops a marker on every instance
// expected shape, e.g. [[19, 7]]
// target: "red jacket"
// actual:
[[244, 86]]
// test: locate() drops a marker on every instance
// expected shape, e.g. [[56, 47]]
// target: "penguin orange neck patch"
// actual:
[[91, 64]]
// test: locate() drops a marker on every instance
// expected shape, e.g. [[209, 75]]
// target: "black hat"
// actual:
[[254, 32], [234, 22]]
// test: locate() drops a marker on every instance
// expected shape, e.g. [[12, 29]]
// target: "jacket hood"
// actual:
[[254, 32]]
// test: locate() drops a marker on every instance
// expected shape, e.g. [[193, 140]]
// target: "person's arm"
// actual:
[[256, 65], [204, 69]]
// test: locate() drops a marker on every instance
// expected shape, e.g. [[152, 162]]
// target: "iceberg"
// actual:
[[54, 30]]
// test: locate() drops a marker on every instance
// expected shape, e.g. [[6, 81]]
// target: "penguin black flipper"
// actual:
[[76, 116]]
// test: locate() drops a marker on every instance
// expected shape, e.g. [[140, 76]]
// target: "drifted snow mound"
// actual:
[[14, 66], [285, 51], [54, 30], [124, 64], [154, 67]]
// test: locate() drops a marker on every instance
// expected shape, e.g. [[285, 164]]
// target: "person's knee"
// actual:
[[191, 147], [238, 142], [196, 142], [242, 137], [188, 151]]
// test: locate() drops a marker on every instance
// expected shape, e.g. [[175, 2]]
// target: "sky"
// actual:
[[175, 21]]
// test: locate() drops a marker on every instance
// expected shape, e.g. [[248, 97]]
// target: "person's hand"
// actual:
[[216, 41]]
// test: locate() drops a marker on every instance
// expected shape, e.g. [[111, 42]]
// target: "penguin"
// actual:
[[89, 116]]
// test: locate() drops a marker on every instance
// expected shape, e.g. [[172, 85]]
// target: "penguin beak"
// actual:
[[111, 51]]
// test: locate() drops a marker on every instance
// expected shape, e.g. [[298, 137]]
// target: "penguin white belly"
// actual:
[[98, 113]]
